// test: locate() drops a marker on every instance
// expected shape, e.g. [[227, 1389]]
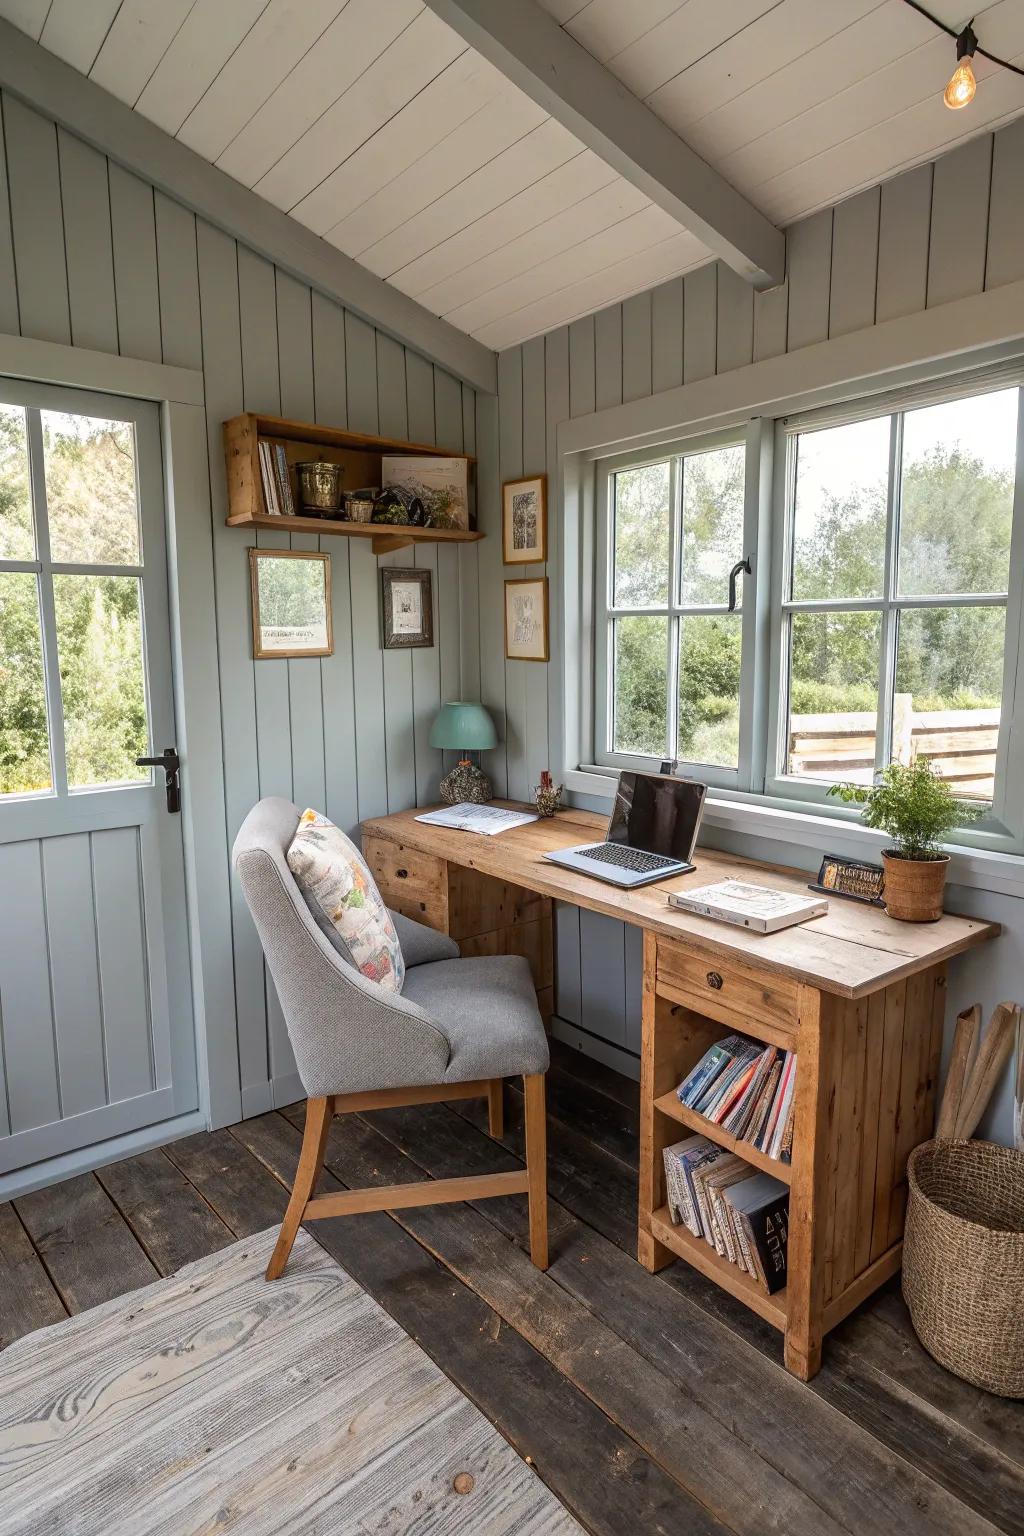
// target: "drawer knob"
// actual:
[[403, 874], [714, 980]]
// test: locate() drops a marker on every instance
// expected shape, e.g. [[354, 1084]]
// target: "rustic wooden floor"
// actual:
[[651, 1404]]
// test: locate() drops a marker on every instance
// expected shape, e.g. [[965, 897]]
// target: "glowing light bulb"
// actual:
[[961, 88], [962, 84]]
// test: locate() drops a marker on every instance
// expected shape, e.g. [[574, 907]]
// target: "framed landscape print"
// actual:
[[526, 619], [408, 608], [525, 520], [291, 603]]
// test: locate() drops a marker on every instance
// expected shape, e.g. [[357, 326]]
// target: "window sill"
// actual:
[[978, 868]]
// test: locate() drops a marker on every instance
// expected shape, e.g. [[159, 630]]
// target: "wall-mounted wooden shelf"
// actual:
[[358, 453]]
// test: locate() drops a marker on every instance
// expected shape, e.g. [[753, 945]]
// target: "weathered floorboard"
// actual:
[[84, 1242], [169, 1217], [27, 1297]]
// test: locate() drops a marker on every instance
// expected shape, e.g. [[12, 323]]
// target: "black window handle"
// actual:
[[741, 565], [170, 763]]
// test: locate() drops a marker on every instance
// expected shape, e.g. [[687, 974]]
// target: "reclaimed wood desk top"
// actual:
[[851, 951]]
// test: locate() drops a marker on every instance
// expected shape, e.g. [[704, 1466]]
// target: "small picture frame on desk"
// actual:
[[850, 878]]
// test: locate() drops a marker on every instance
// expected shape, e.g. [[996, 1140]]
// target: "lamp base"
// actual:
[[466, 782]]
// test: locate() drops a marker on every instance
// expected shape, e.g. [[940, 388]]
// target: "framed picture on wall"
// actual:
[[291, 603], [524, 518], [408, 608], [526, 619]]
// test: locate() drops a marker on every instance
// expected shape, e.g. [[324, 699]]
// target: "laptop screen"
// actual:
[[658, 814]]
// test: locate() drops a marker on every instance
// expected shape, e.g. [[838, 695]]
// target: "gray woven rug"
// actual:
[[213, 1402]]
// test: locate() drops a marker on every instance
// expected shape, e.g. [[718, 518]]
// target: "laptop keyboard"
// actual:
[[633, 859]]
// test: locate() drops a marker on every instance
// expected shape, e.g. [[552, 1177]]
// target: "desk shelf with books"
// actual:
[[866, 1065]]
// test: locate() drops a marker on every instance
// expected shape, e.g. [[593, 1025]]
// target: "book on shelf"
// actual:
[[284, 483], [759, 1208], [271, 498], [748, 1089], [738, 1211]]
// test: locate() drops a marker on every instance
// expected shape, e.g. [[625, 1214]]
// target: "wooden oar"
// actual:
[[992, 1058], [965, 1043]]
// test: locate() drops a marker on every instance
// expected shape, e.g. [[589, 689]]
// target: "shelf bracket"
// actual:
[[388, 543]]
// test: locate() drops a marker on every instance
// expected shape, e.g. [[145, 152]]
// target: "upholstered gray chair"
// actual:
[[455, 1031]]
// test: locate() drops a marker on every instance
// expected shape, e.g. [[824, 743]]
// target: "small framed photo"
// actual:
[[291, 603], [526, 619], [408, 608], [852, 879], [525, 520]]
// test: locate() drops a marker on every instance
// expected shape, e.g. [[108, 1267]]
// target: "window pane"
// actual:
[[24, 737], [709, 689], [842, 480], [641, 686], [712, 524], [99, 643], [640, 555], [17, 540], [833, 696], [949, 680], [90, 489], [959, 461]]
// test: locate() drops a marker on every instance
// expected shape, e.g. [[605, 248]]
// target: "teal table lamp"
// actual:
[[464, 728]]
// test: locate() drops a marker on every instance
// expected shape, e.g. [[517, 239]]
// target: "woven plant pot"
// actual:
[[963, 1260], [914, 888]]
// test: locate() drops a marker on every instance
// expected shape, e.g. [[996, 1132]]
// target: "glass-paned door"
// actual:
[[94, 1042]]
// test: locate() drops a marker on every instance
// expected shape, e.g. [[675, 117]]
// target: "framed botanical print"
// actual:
[[291, 603], [526, 619], [408, 608], [525, 520]]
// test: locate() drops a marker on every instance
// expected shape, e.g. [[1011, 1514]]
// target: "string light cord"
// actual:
[[1015, 69]]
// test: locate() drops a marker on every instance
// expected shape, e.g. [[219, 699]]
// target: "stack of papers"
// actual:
[[489, 819]]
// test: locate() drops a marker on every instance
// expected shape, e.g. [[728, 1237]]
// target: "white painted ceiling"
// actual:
[[373, 124]]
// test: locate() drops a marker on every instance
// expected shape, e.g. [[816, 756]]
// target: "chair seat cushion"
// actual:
[[343, 897], [487, 1007]]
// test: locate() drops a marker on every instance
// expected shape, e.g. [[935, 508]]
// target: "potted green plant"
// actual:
[[917, 809]]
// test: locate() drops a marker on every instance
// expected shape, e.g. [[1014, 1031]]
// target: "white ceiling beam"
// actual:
[[532, 50], [70, 98]]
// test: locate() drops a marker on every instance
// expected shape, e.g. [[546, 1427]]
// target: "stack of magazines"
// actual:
[[741, 1213], [748, 1089]]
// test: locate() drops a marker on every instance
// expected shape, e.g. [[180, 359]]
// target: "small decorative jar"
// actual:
[[320, 487], [548, 798]]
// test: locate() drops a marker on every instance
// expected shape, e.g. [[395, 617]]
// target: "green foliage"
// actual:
[[912, 804], [90, 480]]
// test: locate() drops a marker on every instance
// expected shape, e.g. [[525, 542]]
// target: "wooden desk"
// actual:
[[859, 997]]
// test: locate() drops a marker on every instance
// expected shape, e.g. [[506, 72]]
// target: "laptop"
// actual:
[[651, 834]]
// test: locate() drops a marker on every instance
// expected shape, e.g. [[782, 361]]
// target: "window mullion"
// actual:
[[890, 613], [47, 610], [675, 547]]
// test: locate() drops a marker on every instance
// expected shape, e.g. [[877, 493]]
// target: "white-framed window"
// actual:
[[884, 620], [74, 704], [669, 650]]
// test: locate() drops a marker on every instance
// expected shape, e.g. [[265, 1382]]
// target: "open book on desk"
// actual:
[[488, 819]]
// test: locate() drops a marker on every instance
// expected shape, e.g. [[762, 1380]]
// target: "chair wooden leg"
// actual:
[[537, 1167], [319, 1113], [496, 1107]]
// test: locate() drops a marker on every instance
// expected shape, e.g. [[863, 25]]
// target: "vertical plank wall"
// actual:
[[934, 234], [92, 256]]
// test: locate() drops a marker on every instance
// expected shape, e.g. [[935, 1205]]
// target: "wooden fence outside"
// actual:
[[960, 744]]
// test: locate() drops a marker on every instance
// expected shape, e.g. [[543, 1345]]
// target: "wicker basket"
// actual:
[[963, 1260]]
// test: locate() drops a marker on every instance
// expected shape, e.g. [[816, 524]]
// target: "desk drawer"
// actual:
[[724, 990], [415, 884]]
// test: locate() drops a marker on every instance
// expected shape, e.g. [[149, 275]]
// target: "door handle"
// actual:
[[170, 763]]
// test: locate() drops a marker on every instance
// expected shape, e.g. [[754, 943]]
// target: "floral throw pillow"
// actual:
[[342, 896]]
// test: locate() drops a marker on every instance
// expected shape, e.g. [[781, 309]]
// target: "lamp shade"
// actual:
[[463, 728]]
